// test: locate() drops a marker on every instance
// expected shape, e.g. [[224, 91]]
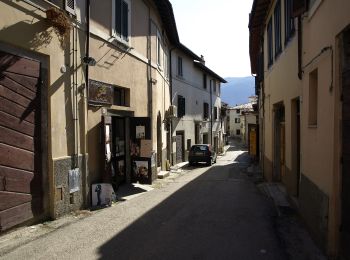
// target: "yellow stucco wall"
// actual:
[[281, 85]]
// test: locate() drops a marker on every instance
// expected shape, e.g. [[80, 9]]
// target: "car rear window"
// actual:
[[199, 148]]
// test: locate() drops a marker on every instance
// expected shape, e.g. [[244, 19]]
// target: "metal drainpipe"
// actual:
[[87, 52], [211, 113], [171, 103]]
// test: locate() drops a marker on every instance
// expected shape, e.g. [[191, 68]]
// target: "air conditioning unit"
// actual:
[[172, 111]]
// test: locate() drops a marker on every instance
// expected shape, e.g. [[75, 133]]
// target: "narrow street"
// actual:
[[203, 213]]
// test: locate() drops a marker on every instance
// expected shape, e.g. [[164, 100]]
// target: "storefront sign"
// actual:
[[100, 93]]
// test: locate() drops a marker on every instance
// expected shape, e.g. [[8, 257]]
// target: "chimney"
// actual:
[[202, 60]]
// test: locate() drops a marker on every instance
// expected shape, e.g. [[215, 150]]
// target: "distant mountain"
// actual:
[[237, 90]]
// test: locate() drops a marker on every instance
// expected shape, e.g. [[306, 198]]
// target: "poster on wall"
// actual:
[[140, 132], [74, 177], [141, 171], [146, 148], [102, 194]]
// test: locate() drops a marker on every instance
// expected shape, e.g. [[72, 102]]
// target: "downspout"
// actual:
[[171, 102], [211, 113], [149, 74], [300, 47], [87, 52]]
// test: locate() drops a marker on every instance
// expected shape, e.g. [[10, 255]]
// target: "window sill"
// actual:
[[125, 45], [312, 126]]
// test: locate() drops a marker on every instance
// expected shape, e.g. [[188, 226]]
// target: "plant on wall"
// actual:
[[61, 24]]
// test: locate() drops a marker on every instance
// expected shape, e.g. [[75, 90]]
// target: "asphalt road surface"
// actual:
[[204, 213]]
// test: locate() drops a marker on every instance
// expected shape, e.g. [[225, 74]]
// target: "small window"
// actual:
[[159, 49], [313, 100], [205, 81], [206, 110], [238, 111], [215, 113], [237, 120], [277, 24], [238, 131], [121, 18], [188, 144], [179, 66], [269, 44], [121, 97], [289, 21], [166, 65], [181, 103]]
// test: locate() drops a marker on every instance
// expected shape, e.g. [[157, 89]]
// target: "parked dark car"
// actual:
[[201, 153]]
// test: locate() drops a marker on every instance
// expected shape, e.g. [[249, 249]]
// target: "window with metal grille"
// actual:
[[70, 6]]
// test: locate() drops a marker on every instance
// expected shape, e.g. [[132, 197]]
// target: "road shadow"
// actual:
[[213, 216]]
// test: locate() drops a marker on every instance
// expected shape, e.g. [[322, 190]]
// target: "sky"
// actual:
[[218, 30]]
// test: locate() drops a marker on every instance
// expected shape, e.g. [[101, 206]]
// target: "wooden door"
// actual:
[[345, 225], [20, 140]]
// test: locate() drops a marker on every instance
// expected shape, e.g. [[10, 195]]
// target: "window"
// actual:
[[179, 66], [121, 96], [205, 110], [189, 144], [289, 21], [159, 49], [121, 19], [181, 103], [205, 81], [238, 111], [277, 24], [237, 120], [166, 65], [313, 85], [269, 44], [238, 131], [215, 113]]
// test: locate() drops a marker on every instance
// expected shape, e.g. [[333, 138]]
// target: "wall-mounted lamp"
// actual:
[[89, 61]]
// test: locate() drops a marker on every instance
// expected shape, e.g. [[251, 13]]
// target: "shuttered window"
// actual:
[[277, 24], [121, 19], [206, 110], [269, 43], [179, 66], [215, 113], [181, 103], [289, 21]]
